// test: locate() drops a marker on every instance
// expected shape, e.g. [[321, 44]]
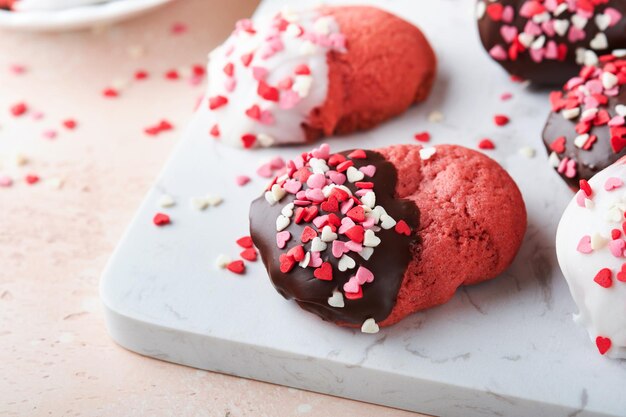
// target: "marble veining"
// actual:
[[507, 347]]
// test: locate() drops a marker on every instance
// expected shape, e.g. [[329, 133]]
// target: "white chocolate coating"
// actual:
[[602, 311], [305, 38], [46, 5]]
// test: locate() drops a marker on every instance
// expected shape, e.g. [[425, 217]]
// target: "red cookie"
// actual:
[[296, 77], [412, 225]]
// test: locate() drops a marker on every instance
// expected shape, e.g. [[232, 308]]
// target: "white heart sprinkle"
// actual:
[[614, 215], [370, 326], [599, 42], [538, 43], [199, 203], [346, 263], [166, 201], [307, 48], [570, 113], [580, 56], [527, 151], [287, 211], [369, 199], [608, 80], [328, 235], [265, 140], [542, 17], [281, 223], [620, 109], [305, 262], [481, 7], [222, 261], [525, 39], [580, 140], [579, 21], [560, 26], [619, 53], [589, 204], [322, 25], [591, 59], [598, 241], [366, 253], [560, 9], [278, 192], [387, 222], [554, 160], [354, 174], [436, 117], [269, 197], [318, 165], [302, 85], [214, 200], [602, 21], [336, 300], [317, 245], [427, 153], [370, 239]]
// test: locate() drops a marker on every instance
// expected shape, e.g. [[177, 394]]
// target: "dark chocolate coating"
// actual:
[[388, 262], [551, 71], [589, 162]]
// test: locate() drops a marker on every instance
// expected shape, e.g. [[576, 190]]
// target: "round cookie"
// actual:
[[546, 42], [586, 130], [295, 77], [590, 245], [365, 238]]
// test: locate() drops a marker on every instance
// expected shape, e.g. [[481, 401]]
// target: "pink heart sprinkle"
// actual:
[[315, 195], [277, 163], [573, 83], [580, 198], [498, 53], [301, 195], [617, 121], [369, 170], [339, 248], [265, 170], [259, 73], [575, 34], [38, 115], [320, 221], [267, 118], [345, 207], [346, 224], [552, 51], [292, 186], [5, 181], [50, 134], [282, 238], [336, 177], [508, 14], [613, 183], [595, 86], [242, 180], [584, 246], [551, 5], [509, 33], [613, 14], [591, 103], [316, 181], [338, 40], [617, 247], [323, 152], [548, 28], [368, 223], [353, 246], [570, 170], [532, 28], [364, 275], [230, 84], [288, 99], [352, 286], [316, 260], [612, 92], [537, 54]]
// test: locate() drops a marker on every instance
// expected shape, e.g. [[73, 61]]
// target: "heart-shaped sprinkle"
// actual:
[[604, 278], [236, 267], [558, 144], [282, 222], [328, 235], [621, 275], [364, 275], [161, 219], [354, 246], [316, 260], [509, 33], [356, 233], [345, 263], [616, 247], [282, 238], [336, 300], [603, 344], [287, 262], [292, 186], [613, 183], [331, 205], [345, 207], [369, 326], [387, 222], [370, 239], [346, 223], [324, 272], [366, 253], [354, 174], [357, 214], [317, 245], [584, 246], [323, 152], [308, 234], [249, 254], [403, 228], [336, 177], [316, 181], [369, 199], [199, 203], [352, 286], [304, 263], [427, 153], [369, 170], [339, 248]]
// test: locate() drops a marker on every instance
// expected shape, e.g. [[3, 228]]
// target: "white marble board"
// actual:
[[504, 348]]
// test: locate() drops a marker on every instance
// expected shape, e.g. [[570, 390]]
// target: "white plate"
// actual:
[[78, 17]]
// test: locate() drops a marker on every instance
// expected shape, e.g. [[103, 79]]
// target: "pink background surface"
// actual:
[[55, 355]]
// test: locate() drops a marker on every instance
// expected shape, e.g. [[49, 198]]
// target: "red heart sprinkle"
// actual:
[[333, 220], [558, 144], [357, 154], [339, 194], [248, 254], [248, 140], [245, 242], [621, 275], [603, 344], [215, 131], [331, 205], [584, 185], [324, 272], [69, 124], [364, 184], [236, 267], [268, 92], [500, 120], [110, 92], [229, 69], [297, 252], [486, 144], [217, 101], [356, 233], [303, 69], [617, 144], [31, 179], [300, 213], [354, 295], [19, 109], [494, 10], [336, 159], [357, 214], [141, 75], [308, 234], [285, 84], [310, 213], [161, 219], [172, 75], [403, 228], [615, 234], [603, 278], [422, 137], [198, 70], [287, 262], [344, 166], [254, 112], [246, 59]]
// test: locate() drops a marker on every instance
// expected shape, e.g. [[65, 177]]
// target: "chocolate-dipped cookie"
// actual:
[[546, 41], [586, 131], [367, 237]]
